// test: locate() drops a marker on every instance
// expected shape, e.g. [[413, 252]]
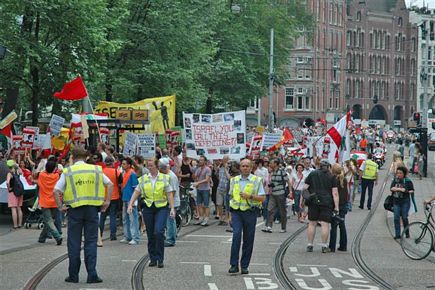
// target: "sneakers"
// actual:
[[245, 271], [124, 241], [31, 209], [59, 241], [309, 248], [133, 243], [283, 231], [198, 222], [229, 229], [204, 222], [267, 230], [326, 250]]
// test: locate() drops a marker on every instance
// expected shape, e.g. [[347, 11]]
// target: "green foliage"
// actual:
[[127, 50]]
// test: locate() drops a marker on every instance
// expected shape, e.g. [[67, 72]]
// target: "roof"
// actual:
[[376, 5]]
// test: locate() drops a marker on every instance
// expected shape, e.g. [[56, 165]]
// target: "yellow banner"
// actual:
[[59, 142], [161, 111]]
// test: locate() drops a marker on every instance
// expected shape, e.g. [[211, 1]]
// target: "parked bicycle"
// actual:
[[187, 203], [417, 239]]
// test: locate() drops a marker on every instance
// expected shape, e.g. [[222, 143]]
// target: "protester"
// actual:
[[15, 200], [202, 184], [222, 188], [339, 221]]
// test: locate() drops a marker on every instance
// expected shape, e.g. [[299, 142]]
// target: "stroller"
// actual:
[[34, 218]]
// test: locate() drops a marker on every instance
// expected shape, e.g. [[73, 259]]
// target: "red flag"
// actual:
[[73, 91], [286, 136]]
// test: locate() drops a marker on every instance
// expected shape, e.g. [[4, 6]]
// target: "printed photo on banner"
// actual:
[[130, 144], [215, 135], [146, 146]]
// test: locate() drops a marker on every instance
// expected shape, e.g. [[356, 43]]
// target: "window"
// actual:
[[400, 21], [300, 59], [358, 16], [289, 98], [307, 103], [348, 38], [348, 84], [300, 90], [300, 102], [371, 40], [413, 44], [357, 89]]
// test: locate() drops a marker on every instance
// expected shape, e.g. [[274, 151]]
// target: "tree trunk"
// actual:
[[209, 102], [34, 72]]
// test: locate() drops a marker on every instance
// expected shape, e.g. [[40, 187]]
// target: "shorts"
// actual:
[[319, 213], [220, 197], [203, 197], [14, 201]]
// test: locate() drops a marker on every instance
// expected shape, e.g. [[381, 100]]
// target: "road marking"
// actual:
[[208, 236], [259, 224], [259, 274], [259, 264], [212, 286], [189, 242], [274, 243], [195, 263], [129, 261], [304, 265], [249, 283], [230, 239], [207, 271]]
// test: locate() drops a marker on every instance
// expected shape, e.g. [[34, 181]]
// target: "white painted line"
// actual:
[[259, 224], [259, 264], [304, 265], [212, 286], [230, 239], [207, 271], [293, 269], [188, 242], [194, 263], [208, 236], [259, 274], [129, 261], [226, 242], [274, 243], [249, 283]]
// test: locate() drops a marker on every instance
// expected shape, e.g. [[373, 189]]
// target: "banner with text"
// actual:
[[130, 144], [56, 124], [215, 135], [146, 146]]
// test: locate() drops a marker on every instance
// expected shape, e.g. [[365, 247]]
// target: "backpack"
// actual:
[[16, 185]]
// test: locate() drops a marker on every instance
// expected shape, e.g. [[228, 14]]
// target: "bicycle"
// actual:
[[417, 239], [186, 202]]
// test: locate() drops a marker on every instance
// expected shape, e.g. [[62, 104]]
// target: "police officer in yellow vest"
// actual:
[[369, 173], [246, 196], [157, 195], [83, 187]]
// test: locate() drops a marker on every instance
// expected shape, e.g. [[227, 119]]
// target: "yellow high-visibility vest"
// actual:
[[251, 187], [156, 195], [370, 170], [84, 185]]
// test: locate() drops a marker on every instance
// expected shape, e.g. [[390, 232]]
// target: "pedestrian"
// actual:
[[202, 184], [298, 185], [323, 189], [247, 194], [411, 154], [402, 189], [130, 220], [82, 186], [369, 178], [339, 221], [419, 161], [46, 181], [113, 174], [222, 188], [157, 195], [363, 143], [277, 200], [15, 200]]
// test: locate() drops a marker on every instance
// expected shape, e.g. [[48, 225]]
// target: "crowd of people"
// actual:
[[145, 194]]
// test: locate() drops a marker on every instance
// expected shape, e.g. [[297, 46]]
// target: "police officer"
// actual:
[[83, 191], [247, 195], [369, 172], [157, 194]]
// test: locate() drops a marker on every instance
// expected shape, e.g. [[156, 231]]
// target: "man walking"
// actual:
[[222, 189], [247, 194], [82, 186], [323, 186], [202, 183], [369, 173]]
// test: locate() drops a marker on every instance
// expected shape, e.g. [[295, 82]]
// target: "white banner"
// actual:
[[215, 135], [56, 124], [146, 146], [270, 139], [130, 144]]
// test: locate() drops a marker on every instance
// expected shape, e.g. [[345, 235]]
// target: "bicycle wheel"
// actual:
[[419, 244], [187, 216]]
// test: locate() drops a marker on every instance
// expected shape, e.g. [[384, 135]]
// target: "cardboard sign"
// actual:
[[172, 138], [215, 135], [130, 144], [146, 146], [56, 124], [104, 135], [270, 139], [28, 138], [16, 144], [140, 115], [124, 115], [255, 148], [36, 139]]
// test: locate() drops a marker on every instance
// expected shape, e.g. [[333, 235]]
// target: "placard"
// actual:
[[124, 115], [215, 135], [146, 146], [130, 144], [255, 148], [36, 139], [140, 115], [104, 135], [56, 124], [270, 139], [16, 144], [28, 138]]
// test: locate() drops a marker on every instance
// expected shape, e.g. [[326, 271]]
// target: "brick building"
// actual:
[[380, 61], [315, 87]]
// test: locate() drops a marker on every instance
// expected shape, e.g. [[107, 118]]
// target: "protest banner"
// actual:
[[161, 112], [16, 144], [44, 141], [36, 138], [28, 138], [56, 124], [255, 148], [146, 146], [104, 135], [270, 139], [130, 144], [172, 138], [215, 135]]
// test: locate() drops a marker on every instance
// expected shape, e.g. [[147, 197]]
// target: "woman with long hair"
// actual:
[[397, 162], [339, 221], [14, 202]]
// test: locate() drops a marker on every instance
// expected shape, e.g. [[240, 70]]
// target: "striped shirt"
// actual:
[[279, 179]]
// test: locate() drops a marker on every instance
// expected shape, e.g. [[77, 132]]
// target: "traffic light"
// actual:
[[417, 118]]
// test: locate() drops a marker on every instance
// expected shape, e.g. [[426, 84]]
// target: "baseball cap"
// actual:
[[325, 162], [10, 163], [164, 162]]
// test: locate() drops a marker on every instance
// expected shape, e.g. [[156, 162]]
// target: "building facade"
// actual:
[[381, 62]]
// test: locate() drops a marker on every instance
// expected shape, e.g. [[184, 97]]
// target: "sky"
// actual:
[[420, 2]]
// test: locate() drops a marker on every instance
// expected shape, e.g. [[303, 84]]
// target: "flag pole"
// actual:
[[96, 121]]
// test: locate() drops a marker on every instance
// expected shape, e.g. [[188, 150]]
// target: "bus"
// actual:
[[430, 121]]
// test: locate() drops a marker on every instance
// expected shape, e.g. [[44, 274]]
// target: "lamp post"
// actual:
[[271, 79]]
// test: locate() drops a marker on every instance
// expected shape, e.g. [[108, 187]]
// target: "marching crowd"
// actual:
[[147, 192]]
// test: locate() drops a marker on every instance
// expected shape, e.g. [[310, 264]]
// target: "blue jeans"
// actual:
[[112, 210], [366, 184], [265, 204], [203, 197], [401, 209], [171, 230], [296, 205], [243, 221], [155, 222], [82, 219], [130, 223], [48, 215], [343, 234]]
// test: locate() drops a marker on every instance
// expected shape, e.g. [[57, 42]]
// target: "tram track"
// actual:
[[139, 268], [287, 283]]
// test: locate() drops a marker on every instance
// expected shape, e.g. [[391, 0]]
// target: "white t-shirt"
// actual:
[[263, 173]]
